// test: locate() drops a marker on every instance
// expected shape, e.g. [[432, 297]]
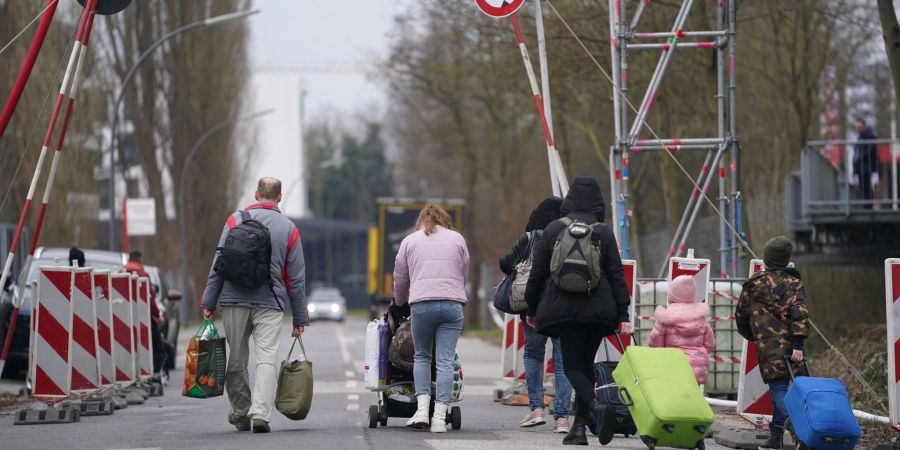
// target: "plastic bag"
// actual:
[[204, 368], [293, 398]]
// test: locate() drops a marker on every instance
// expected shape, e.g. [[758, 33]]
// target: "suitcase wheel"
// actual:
[[373, 416], [456, 417], [701, 445], [649, 442], [383, 415]]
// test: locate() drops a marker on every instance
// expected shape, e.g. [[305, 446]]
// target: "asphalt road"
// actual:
[[337, 420]]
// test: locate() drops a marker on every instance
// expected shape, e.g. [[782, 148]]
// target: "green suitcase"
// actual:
[[659, 387]]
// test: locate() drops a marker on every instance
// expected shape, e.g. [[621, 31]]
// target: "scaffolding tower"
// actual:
[[625, 37]]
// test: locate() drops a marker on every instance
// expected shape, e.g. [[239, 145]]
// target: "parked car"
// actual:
[[17, 360], [166, 300], [326, 303]]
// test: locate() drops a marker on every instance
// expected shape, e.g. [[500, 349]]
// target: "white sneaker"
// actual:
[[533, 418], [420, 418], [439, 420], [561, 425]]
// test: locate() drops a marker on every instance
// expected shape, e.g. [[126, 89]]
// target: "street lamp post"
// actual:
[[114, 133], [182, 226]]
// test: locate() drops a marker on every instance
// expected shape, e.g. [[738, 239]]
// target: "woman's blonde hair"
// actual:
[[431, 216]]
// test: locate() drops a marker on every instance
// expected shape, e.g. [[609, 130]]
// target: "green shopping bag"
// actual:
[[204, 368], [293, 397]]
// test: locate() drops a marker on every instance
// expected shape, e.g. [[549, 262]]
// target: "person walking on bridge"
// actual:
[[257, 270], [585, 300], [430, 273]]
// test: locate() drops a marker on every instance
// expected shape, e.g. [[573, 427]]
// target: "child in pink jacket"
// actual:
[[685, 325]]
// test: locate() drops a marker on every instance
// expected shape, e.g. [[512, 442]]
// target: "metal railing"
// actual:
[[849, 178], [724, 365]]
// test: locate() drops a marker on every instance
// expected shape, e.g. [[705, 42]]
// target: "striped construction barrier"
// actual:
[[511, 362], [143, 342], [52, 318], [105, 342], [123, 350], [85, 363], [698, 269], [892, 303], [610, 349]]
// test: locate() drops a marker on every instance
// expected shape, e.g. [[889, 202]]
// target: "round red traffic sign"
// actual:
[[499, 8]]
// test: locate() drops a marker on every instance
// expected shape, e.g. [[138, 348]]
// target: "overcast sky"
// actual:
[[329, 43]]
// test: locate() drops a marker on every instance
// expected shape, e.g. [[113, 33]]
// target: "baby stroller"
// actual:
[[393, 385]]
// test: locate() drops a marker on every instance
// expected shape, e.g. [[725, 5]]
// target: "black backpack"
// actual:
[[245, 255]]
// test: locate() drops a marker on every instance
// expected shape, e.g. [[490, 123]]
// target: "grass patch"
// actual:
[[358, 314], [493, 336]]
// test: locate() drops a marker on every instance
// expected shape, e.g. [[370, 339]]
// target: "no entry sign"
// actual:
[[499, 8]]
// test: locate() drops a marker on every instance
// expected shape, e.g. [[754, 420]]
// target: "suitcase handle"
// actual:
[[790, 366], [625, 396]]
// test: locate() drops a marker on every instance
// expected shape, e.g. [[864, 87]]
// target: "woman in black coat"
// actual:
[[581, 321]]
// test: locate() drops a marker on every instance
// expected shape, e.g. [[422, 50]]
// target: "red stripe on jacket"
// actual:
[[295, 236]]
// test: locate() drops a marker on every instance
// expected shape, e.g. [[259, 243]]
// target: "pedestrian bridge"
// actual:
[[826, 208]]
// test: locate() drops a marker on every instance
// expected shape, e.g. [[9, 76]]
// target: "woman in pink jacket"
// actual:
[[430, 273], [685, 325]]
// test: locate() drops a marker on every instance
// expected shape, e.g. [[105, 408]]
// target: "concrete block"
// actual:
[[747, 439], [47, 416], [131, 396], [97, 407], [118, 402]]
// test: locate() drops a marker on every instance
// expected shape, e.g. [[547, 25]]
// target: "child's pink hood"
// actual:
[[682, 313]]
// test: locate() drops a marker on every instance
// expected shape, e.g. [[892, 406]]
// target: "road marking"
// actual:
[[342, 342], [351, 384], [353, 397], [350, 374], [353, 407]]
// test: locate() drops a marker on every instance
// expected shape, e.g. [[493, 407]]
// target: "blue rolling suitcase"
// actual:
[[820, 414]]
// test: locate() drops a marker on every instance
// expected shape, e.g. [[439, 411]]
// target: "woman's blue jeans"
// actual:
[[533, 355], [436, 326]]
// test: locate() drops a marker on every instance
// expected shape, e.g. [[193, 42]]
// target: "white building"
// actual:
[[279, 148]]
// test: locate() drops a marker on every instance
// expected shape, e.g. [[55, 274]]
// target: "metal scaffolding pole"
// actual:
[[738, 238], [724, 249]]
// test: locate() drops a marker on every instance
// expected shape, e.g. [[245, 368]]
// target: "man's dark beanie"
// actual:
[[778, 252]]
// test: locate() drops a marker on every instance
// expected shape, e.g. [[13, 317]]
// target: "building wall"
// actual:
[[279, 139]]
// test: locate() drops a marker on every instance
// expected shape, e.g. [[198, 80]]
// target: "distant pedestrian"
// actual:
[[76, 257], [135, 265], [580, 319], [430, 273], [163, 351], [252, 283], [865, 162], [684, 325], [535, 343], [773, 314]]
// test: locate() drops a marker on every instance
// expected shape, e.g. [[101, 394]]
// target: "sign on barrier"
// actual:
[[754, 400], [105, 342], [892, 297], [695, 268], [85, 364], [52, 316], [123, 350], [142, 340], [610, 350]]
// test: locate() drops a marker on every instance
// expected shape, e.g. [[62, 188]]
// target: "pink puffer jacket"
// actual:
[[685, 325]]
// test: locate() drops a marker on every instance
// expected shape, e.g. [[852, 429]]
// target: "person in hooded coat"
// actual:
[[535, 343], [684, 325], [581, 321]]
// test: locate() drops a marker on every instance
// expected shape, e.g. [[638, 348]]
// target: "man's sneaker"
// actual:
[[260, 426], [242, 423], [561, 425], [533, 419]]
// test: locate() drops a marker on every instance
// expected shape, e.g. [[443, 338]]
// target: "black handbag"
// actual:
[[503, 292]]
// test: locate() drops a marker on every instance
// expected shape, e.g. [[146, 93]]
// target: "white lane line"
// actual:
[[353, 407], [353, 397], [351, 384], [350, 374], [342, 342]]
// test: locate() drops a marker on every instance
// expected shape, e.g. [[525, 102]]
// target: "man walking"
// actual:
[[253, 299], [865, 162]]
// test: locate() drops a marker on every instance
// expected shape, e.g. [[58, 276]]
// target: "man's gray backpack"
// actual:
[[575, 263]]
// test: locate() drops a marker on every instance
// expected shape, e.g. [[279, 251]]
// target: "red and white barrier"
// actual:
[[85, 364], [105, 341], [52, 317], [123, 350], [141, 305], [753, 399], [892, 297], [512, 365], [695, 268], [610, 350]]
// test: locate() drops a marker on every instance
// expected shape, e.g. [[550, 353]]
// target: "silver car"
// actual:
[[326, 303]]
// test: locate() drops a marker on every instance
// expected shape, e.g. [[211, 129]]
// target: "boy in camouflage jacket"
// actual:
[[773, 314]]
